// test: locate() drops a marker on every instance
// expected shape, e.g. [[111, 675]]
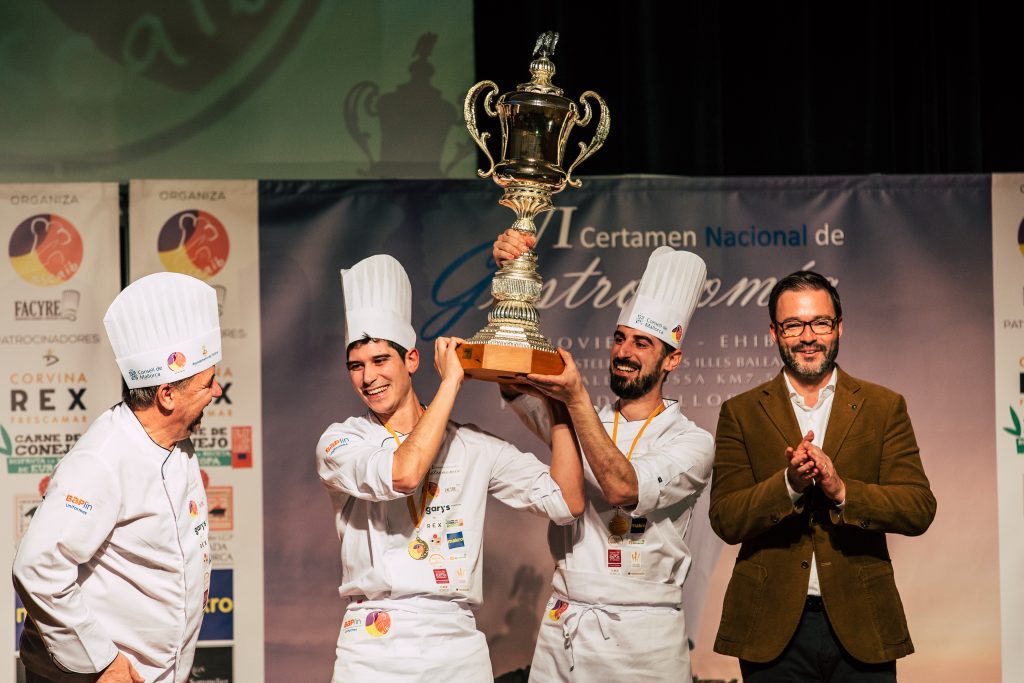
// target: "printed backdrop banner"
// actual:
[[912, 259], [208, 229], [1008, 291], [61, 272]]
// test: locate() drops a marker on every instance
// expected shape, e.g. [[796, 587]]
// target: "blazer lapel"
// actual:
[[776, 404], [846, 406]]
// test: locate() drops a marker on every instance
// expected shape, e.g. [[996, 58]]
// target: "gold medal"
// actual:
[[418, 549], [618, 525]]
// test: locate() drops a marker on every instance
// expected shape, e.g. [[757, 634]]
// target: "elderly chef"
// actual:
[[616, 612], [114, 570], [409, 489]]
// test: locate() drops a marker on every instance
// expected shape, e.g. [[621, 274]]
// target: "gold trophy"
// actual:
[[535, 125]]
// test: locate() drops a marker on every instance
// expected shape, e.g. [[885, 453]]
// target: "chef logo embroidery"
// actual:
[[73, 502], [378, 624]]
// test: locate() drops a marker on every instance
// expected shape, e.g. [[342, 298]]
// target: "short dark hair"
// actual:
[[666, 349], [141, 398], [366, 339], [799, 281]]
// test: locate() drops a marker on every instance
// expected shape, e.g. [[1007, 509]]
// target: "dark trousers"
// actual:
[[815, 655]]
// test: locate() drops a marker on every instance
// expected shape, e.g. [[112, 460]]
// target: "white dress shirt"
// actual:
[[811, 418]]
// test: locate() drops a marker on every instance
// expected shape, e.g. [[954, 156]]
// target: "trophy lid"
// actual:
[[542, 68]]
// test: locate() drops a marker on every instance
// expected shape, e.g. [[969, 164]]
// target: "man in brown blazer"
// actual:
[[812, 470]]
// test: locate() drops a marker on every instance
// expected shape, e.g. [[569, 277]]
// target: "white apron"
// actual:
[[638, 639], [411, 640]]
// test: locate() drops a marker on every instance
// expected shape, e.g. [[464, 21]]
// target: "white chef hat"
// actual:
[[378, 301], [163, 328], [667, 295]]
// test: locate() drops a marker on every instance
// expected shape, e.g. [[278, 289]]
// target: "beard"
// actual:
[[809, 372], [629, 389]]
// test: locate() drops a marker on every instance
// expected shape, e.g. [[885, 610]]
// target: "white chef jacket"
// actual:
[[374, 524], [599, 574], [116, 557]]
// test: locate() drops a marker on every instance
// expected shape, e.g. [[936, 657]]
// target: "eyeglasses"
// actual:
[[795, 328]]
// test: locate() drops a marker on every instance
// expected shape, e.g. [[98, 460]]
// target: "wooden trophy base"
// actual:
[[494, 363]]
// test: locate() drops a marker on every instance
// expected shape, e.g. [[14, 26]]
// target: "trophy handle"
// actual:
[[600, 135], [469, 112], [362, 96]]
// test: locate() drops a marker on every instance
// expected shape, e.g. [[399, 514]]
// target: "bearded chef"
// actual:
[[616, 612], [114, 570], [409, 489]]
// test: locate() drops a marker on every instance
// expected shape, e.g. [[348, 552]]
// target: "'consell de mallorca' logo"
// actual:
[[195, 243], [45, 250]]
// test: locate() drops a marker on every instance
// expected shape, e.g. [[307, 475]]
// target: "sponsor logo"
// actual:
[[455, 540], [378, 623], [1015, 431], [441, 575], [219, 617], [638, 525], [453, 524], [212, 665], [555, 613], [677, 333], [176, 361], [614, 557], [45, 250], [64, 308], [241, 447], [80, 505], [148, 373], [221, 513], [193, 242], [431, 509], [193, 509]]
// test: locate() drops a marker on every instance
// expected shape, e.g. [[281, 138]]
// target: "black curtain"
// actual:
[[780, 88]]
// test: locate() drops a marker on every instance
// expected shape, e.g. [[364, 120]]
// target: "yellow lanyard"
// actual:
[[416, 517], [615, 429]]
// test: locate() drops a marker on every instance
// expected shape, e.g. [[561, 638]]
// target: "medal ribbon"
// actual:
[[619, 518], [615, 429], [416, 517]]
